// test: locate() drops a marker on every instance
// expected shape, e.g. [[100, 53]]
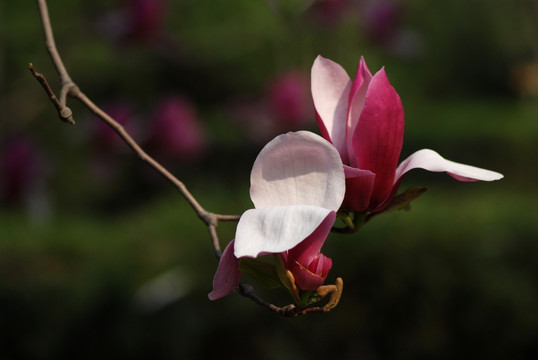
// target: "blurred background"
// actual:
[[101, 258]]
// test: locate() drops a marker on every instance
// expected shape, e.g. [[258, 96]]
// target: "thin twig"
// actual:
[[51, 44], [64, 112], [207, 217], [287, 311], [215, 240]]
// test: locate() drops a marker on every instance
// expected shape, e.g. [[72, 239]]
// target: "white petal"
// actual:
[[430, 160], [298, 168], [276, 229], [330, 91]]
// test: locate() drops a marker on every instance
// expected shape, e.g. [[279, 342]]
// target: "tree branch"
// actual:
[[64, 112], [69, 88], [51, 44]]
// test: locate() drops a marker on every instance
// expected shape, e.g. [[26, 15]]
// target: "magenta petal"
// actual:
[[430, 160], [359, 186], [357, 98], [363, 73], [227, 276], [378, 137], [330, 91], [308, 266], [311, 276], [305, 251]]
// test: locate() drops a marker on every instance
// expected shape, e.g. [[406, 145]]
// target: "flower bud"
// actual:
[[311, 275]]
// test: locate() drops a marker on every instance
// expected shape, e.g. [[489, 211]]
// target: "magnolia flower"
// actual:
[[297, 185], [364, 120]]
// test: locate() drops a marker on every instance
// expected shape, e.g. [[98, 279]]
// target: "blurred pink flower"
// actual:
[[383, 20], [297, 185], [329, 12], [146, 18], [135, 20], [284, 106], [364, 120], [289, 100], [176, 131], [383, 23]]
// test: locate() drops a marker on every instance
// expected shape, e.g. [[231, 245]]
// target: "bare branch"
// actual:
[[64, 112], [51, 44], [248, 292], [69, 88], [215, 240]]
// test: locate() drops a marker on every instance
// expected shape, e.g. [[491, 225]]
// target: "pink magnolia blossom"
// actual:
[[305, 261], [297, 185], [364, 120]]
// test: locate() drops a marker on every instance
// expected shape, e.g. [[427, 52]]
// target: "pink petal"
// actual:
[[430, 160], [311, 276], [363, 74], [227, 276], [298, 169], [378, 137], [330, 90], [308, 266], [359, 186], [310, 247], [357, 98], [276, 229]]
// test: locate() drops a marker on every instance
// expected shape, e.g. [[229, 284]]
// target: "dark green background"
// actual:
[[454, 278]]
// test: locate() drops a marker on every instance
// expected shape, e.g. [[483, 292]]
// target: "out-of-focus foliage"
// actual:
[[100, 258]]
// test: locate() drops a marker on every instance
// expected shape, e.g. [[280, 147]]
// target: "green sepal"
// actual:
[[347, 218], [352, 220], [402, 201], [264, 273], [309, 297], [281, 273]]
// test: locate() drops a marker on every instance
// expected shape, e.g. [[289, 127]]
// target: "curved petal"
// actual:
[[430, 160], [363, 74], [378, 136], [357, 97], [330, 86], [308, 266], [227, 276], [312, 275], [310, 247], [276, 229], [298, 169], [355, 110], [359, 186]]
